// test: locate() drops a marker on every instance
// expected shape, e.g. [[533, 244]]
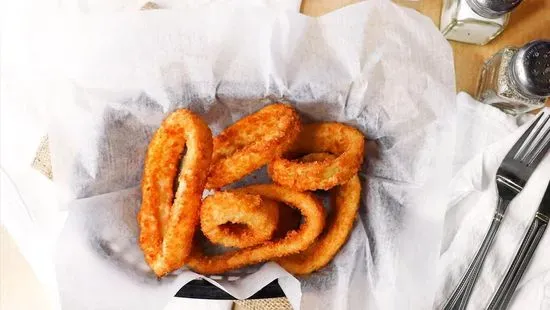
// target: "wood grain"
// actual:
[[531, 20]]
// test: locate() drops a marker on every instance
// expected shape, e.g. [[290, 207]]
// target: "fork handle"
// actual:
[[460, 296], [519, 264]]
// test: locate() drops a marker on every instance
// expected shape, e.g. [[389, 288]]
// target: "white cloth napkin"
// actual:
[[484, 136]]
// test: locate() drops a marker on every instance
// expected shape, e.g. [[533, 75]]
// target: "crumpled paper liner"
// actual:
[[376, 66]]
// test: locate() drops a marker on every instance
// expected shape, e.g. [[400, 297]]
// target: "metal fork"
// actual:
[[512, 175]]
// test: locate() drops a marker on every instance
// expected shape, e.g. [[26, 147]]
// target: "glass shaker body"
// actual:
[[497, 86], [460, 23]]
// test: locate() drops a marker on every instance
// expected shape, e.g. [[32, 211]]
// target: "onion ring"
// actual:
[[238, 220], [252, 142], [167, 221], [346, 142], [293, 242], [345, 204]]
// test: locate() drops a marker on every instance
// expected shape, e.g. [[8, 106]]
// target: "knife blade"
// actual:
[[521, 261]]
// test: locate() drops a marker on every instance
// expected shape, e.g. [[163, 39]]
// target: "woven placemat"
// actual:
[[42, 160], [263, 304], [150, 6], [42, 163]]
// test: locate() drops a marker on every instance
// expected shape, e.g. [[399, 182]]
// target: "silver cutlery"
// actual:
[[512, 175], [523, 256]]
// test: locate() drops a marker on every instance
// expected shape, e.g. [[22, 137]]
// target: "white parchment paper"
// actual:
[[381, 68], [107, 6]]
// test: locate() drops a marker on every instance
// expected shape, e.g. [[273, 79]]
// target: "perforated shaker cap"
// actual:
[[492, 8], [530, 69]]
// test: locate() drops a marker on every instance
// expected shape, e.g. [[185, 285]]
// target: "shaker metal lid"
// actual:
[[492, 8], [530, 68]]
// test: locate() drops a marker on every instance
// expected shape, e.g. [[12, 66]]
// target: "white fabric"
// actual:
[[486, 136]]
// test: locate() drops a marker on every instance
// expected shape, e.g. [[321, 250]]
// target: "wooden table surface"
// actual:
[[530, 20]]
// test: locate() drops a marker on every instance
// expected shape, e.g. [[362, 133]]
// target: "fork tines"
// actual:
[[534, 142]]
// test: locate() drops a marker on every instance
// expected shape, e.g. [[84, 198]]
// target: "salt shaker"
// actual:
[[517, 80], [475, 21]]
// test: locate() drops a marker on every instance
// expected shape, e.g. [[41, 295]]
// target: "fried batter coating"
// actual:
[[345, 204], [238, 220], [345, 142], [293, 242], [252, 142], [167, 221]]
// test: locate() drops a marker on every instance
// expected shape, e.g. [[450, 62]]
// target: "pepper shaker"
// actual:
[[517, 80], [475, 21]]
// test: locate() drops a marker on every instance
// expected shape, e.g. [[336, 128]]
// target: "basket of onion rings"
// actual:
[[282, 221], [235, 148]]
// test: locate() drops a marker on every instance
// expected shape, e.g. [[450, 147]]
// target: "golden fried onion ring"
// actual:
[[293, 242], [346, 142], [237, 219], [345, 204], [252, 142], [167, 221]]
